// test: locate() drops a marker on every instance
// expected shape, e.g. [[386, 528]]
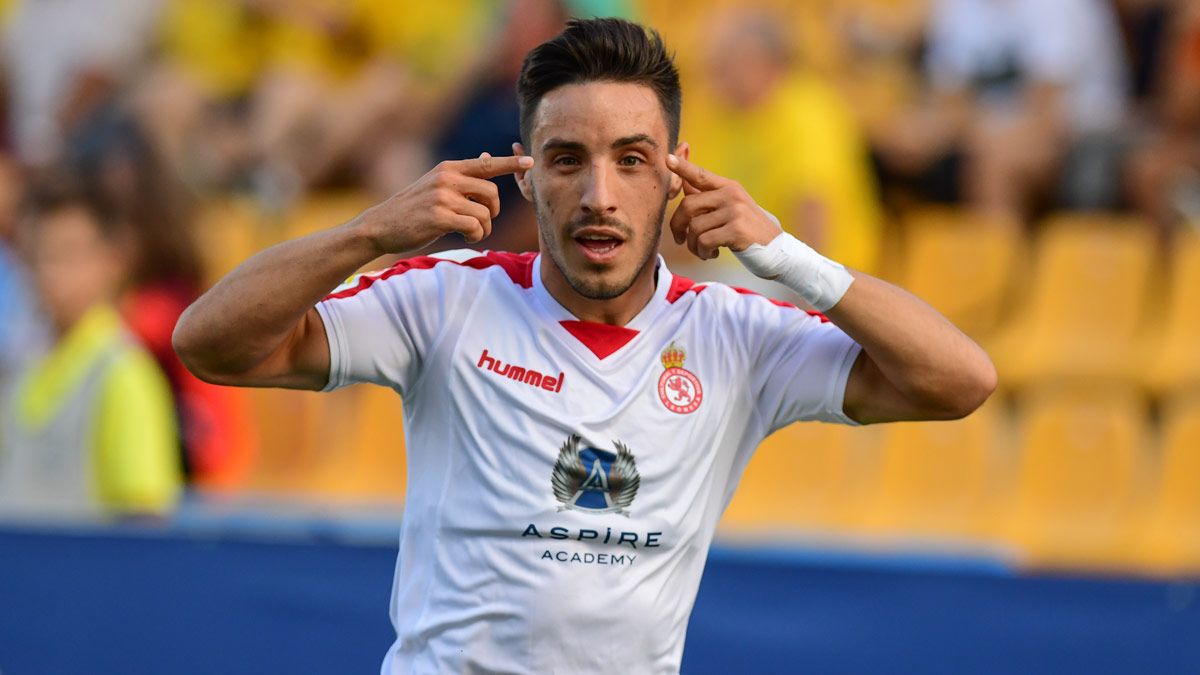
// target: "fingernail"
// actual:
[[525, 161], [672, 160]]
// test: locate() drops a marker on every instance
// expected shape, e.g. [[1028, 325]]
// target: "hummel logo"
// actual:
[[530, 377]]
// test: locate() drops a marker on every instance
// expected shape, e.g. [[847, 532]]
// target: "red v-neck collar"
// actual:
[[601, 338]]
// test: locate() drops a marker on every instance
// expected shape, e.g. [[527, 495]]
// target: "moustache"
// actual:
[[599, 221]]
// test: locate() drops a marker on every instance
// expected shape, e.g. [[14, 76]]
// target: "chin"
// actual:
[[598, 287]]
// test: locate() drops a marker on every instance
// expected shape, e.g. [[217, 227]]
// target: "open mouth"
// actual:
[[598, 246]]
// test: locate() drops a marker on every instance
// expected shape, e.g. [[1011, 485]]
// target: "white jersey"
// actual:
[[566, 477]]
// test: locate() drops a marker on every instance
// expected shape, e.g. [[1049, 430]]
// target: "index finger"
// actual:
[[697, 176], [486, 166]]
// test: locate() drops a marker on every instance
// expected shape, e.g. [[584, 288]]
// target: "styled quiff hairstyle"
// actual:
[[600, 50]]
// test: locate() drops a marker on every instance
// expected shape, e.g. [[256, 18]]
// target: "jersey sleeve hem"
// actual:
[[837, 386], [334, 335]]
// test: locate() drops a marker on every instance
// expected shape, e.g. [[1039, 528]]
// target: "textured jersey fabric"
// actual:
[[566, 477]]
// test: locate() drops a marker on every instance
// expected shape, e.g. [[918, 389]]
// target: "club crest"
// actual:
[[589, 479], [679, 389]]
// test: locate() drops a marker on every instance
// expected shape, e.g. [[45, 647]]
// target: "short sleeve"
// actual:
[[136, 438], [800, 364], [381, 327]]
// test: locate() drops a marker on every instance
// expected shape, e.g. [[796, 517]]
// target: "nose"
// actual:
[[598, 197]]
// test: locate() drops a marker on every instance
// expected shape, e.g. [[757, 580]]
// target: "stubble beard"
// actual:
[[596, 288]]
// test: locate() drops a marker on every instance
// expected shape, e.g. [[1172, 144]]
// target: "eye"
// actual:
[[566, 160], [631, 160]]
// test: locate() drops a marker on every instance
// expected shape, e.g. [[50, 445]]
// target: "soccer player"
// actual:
[[577, 418]]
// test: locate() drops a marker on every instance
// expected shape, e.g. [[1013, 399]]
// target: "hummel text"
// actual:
[[514, 372]]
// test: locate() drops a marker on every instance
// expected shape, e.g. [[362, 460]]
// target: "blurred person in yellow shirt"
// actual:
[[787, 134], [291, 92], [89, 430]]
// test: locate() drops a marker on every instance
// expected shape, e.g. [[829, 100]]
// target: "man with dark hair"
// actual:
[[578, 418]]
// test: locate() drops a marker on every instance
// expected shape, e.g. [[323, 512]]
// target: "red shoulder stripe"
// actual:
[[779, 303], [681, 285], [518, 267]]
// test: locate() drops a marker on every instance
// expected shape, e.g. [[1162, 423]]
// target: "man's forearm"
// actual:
[[252, 311]]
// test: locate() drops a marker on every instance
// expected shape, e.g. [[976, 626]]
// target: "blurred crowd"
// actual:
[[123, 119]]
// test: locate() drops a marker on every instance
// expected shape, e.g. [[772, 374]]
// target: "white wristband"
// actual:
[[819, 280]]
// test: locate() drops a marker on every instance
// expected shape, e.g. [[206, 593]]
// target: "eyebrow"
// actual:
[[563, 144], [636, 138]]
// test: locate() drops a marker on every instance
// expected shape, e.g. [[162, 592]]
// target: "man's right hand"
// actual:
[[455, 196]]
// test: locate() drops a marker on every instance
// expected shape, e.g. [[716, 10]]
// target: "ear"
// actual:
[[522, 176], [682, 151]]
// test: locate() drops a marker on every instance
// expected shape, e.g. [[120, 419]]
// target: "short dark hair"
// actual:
[[59, 190], [600, 50]]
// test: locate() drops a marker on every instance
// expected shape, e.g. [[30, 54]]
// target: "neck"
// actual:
[[616, 311]]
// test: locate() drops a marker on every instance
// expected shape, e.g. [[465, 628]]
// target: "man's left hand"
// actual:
[[717, 212]]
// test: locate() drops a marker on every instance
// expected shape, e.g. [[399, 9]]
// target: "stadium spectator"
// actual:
[[165, 277], [88, 430], [194, 98], [1026, 106], [481, 115], [66, 59], [1164, 168], [788, 135]]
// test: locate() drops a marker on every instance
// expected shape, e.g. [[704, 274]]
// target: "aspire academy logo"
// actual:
[[678, 389], [590, 479]]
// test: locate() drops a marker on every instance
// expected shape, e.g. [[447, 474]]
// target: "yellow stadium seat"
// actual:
[[324, 210], [1174, 352], [301, 434], [1169, 542], [1080, 479], [226, 234], [375, 467], [938, 479], [1081, 318], [804, 477], [961, 264]]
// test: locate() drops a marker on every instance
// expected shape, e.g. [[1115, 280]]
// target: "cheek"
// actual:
[[554, 194], [645, 195]]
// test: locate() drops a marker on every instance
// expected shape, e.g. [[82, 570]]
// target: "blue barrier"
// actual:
[[188, 601]]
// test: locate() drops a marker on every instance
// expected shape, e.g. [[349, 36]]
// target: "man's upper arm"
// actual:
[[300, 362], [871, 398]]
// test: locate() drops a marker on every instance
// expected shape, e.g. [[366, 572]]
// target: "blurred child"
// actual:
[[164, 277], [90, 428]]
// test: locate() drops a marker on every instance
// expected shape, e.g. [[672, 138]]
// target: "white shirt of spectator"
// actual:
[[566, 477], [1074, 43]]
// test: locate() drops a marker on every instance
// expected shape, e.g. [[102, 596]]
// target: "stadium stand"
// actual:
[[1169, 540], [939, 480], [1085, 304], [1081, 476], [1173, 359], [804, 477], [226, 233], [960, 263]]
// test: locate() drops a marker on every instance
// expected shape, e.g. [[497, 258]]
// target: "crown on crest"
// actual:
[[673, 356]]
